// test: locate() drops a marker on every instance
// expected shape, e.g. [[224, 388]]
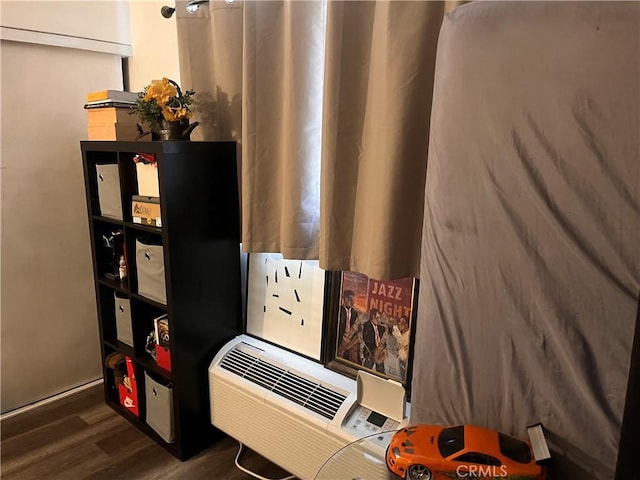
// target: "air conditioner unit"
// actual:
[[292, 410]]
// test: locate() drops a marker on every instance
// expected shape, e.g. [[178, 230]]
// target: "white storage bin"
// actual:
[[124, 330], [159, 401], [150, 269], [109, 196]]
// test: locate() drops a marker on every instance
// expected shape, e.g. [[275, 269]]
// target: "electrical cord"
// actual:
[[249, 472]]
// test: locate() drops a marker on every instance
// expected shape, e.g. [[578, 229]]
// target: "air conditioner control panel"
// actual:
[[364, 422]]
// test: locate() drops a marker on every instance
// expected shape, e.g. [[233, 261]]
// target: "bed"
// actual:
[[530, 266]]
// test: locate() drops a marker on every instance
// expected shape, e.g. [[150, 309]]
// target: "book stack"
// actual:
[[163, 355], [109, 115], [161, 328]]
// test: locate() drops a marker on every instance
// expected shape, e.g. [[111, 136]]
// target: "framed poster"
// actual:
[[370, 325]]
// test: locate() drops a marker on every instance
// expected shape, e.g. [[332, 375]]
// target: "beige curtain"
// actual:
[[210, 51], [282, 109], [336, 101], [379, 80]]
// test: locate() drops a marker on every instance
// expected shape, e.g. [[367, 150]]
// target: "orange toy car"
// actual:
[[432, 452]]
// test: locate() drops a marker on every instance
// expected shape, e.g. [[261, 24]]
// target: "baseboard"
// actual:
[[51, 399]]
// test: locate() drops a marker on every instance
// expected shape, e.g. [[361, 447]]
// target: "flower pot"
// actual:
[[178, 130]]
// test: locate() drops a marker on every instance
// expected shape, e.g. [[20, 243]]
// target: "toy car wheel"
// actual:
[[418, 472]]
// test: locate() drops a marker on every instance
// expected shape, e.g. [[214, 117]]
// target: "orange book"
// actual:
[[113, 131], [96, 116]]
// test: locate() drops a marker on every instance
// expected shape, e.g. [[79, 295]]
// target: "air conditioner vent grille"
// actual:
[[310, 395]]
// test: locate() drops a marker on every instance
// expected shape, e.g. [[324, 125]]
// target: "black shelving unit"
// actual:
[[201, 249]]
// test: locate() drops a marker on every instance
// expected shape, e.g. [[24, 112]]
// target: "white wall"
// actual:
[[48, 324], [155, 44], [53, 53]]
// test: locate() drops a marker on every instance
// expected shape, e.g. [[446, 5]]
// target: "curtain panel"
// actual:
[[530, 265], [282, 112], [379, 78], [330, 102], [210, 55]]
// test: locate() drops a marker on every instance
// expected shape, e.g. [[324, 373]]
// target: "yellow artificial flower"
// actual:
[[169, 115], [163, 100], [172, 114], [183, 112], [161, 91]]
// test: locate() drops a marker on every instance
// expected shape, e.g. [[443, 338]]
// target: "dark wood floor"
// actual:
[[79, 437]]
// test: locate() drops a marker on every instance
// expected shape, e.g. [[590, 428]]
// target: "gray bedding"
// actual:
[[530, 253]]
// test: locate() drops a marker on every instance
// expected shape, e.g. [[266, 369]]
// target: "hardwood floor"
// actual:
[[79, 437]]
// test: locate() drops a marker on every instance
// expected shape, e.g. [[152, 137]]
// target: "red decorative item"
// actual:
[[163, 357], [145, 158], [129, 396]]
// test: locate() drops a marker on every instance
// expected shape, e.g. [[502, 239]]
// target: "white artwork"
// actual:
[[285, 302]]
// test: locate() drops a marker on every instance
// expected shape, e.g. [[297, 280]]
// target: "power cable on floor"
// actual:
[[249, 472]]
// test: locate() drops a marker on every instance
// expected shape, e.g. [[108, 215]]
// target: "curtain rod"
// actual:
[[191, 7]]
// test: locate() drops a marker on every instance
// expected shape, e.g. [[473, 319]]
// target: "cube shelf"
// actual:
[[197, 269]]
